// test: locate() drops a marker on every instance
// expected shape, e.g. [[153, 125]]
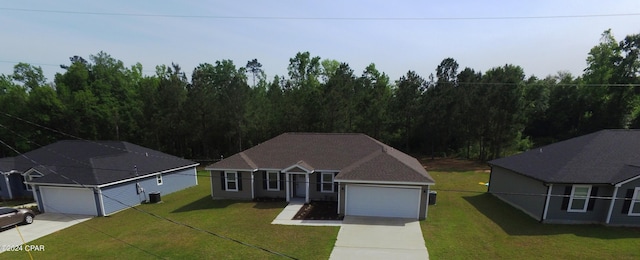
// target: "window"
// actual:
[[231, 181], [327, 182], [579, 199], [273, 181], [159, 179], [634, 210]]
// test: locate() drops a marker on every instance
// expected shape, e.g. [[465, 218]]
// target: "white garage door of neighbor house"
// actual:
[[68, 200], [381, 201]]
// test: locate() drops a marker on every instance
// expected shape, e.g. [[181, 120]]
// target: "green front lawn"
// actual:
[[13, 203], [468, 223], [133, 234]]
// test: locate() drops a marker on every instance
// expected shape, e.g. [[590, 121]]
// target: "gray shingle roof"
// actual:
[[95, 162], [603, 157], [7, 164], [357, 157]]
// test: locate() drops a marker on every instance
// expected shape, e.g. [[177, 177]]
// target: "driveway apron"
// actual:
[[43, 224], [379, 238]]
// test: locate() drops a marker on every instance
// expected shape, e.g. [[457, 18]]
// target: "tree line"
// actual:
[[225, 108]]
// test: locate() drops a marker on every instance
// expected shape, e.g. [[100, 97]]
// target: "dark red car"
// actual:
[[11, 216]]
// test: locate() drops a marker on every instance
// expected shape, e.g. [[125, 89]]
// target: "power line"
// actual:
[[143, 211], [31, 63], [321, 18], [129, 244], [247, 178], [79, 138]]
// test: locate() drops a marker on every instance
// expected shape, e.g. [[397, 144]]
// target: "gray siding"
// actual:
[[517, 190], [219, 193], [617, 216], [261, 191], [113, 197], [4, 192], [556, 213], [424, 201], [315, 191], [342, 196], [18, 191]]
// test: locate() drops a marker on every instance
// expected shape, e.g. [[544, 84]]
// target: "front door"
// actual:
[[300, 189]]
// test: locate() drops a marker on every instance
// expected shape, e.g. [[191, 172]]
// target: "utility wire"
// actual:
[[146, 212], [431, 85], [320, 18], [116, 238], [249, 178], [94, 142]]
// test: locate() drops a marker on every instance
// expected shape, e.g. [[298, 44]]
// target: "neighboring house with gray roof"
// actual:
[[593, 178], [365, 176], [93, 177]]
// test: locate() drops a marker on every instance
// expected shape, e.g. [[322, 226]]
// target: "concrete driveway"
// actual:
[[379, 238], [43, 224]]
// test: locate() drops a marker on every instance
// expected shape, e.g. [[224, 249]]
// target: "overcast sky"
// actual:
[[47, 33]]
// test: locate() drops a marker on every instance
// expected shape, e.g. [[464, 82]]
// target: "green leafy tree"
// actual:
[[505, 115], [255, 68], [406, 104], [372, 99], [338, 95], [30, 76]]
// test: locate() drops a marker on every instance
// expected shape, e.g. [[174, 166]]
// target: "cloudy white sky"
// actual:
[[47, 33]]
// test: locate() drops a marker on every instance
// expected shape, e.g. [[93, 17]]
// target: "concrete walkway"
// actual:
[[379, 238], [43, 224], [286, 217]]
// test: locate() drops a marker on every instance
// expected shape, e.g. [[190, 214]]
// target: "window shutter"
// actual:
[[282, 182], [565, 200], [627, 202], [239, 180], [318, 181], [264, 180], [335, 184], [592, 200], [222, 181]]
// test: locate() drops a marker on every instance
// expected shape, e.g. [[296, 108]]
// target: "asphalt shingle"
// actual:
[[603, 157], [95, 162], [357, 157]]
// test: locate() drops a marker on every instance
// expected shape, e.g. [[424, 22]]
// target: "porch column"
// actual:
[[253, 195], [287, 186], [613, 202], [306, 196], [6, 179], [546, 203]]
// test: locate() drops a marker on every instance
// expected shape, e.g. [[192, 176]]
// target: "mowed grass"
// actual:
[[468, 223], [134, 234]]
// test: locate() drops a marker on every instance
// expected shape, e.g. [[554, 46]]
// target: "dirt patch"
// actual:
[[452, 164], [318, 210]]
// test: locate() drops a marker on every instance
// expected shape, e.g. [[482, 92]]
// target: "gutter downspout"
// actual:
[[613, 202], [546, 203]]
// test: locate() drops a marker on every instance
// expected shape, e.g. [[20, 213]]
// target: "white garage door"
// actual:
[[381, 201], [68, 200]]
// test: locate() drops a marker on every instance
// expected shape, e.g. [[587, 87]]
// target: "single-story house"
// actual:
[[593, 178], [364, 176], [93, 177]]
